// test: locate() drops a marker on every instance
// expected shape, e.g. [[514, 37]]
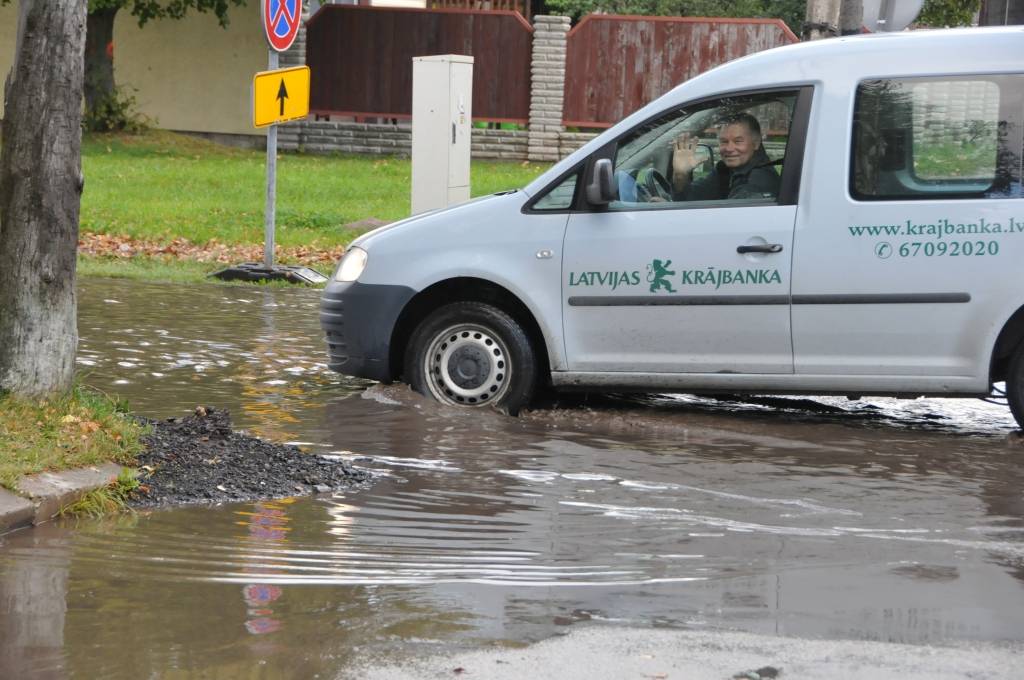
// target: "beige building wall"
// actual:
[[189, 75], [8, 35]]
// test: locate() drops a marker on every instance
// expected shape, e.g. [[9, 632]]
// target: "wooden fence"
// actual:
[[616, 64], [521, 6], [361, 58]]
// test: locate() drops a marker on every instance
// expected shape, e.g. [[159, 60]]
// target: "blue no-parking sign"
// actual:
[[281, 19]]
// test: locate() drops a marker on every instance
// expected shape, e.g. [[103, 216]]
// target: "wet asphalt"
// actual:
[[819, 527]]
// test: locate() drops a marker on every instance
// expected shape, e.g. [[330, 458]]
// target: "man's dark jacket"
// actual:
[[755, 179]]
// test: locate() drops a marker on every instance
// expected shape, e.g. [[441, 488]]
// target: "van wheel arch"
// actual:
[[465, 289], [1010, 338]]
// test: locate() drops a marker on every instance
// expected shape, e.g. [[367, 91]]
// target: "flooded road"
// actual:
[[875, 520]]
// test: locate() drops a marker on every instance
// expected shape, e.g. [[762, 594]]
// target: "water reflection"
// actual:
[[267, 526], [33, 602], [871, 520]]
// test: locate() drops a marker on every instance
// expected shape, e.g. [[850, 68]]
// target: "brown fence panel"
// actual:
[[616, 64], [521, 6], [360, 59]]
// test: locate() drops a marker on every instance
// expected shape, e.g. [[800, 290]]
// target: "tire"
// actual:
[[1015, 386], [472, 354]]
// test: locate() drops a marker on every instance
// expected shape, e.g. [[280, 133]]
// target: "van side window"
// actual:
[[938, 138], [560, 197], [715, 153]]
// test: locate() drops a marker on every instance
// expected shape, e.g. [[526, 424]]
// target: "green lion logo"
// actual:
[[657, 271]]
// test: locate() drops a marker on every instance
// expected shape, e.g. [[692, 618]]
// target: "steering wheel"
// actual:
[[652, 187]]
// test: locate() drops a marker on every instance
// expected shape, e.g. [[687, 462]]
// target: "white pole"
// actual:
[[268, 217]]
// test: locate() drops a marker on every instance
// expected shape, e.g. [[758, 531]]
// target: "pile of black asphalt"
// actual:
[[200, 459]]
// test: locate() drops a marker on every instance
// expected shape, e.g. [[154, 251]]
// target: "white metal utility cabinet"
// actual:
[[442, 98]]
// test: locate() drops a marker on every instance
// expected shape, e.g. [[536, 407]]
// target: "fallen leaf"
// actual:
[[70, 419]]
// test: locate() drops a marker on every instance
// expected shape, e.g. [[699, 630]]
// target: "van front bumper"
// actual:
[[358, 320]]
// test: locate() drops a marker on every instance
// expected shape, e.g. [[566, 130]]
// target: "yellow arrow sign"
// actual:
[[280, 95]]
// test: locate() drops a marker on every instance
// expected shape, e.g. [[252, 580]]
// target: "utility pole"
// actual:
[[821, 20], [851, 17]]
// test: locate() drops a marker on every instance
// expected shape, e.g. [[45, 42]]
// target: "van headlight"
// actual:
[[352, 265]]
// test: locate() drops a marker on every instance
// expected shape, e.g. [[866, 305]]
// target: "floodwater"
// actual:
[[875, 520]]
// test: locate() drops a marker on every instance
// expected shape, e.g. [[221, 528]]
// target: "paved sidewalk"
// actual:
[[608, 653], [40, 497]]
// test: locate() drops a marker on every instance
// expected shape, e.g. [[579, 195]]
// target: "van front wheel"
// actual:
[[1015, 386], [472, 354]]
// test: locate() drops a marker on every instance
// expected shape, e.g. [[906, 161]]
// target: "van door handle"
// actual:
[[760, 248]]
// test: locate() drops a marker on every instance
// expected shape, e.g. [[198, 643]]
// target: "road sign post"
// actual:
[[271, 208], [279, 95], [281, 19]]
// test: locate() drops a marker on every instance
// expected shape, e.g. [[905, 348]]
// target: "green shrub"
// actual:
[[117, 112]]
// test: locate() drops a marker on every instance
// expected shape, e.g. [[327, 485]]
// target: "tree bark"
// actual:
[[99, 57], [40, 193], [851, 17], [821, 19]]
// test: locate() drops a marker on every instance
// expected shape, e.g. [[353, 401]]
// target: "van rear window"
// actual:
[[935, 138]]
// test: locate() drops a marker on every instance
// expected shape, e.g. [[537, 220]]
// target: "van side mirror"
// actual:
[[601, 189]]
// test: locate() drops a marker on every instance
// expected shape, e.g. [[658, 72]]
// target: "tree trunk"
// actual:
[[40, 193], [821, 19], [99, 57], [851, 17]]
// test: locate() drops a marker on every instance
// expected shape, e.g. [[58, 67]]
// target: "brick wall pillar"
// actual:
[[547, 87]]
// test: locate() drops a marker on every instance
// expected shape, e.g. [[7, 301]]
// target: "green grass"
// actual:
[[165, 271], [144, 268], [78, 429], [955, 160], [161, 185], [106, 500]]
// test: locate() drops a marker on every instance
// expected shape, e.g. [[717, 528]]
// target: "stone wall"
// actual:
[[965, 111], [390, 140], [570, 141], [500, 144]]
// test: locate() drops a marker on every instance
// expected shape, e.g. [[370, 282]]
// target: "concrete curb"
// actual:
[[40, 497]]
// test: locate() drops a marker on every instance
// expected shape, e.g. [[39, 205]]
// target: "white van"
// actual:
[[866, 240]]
